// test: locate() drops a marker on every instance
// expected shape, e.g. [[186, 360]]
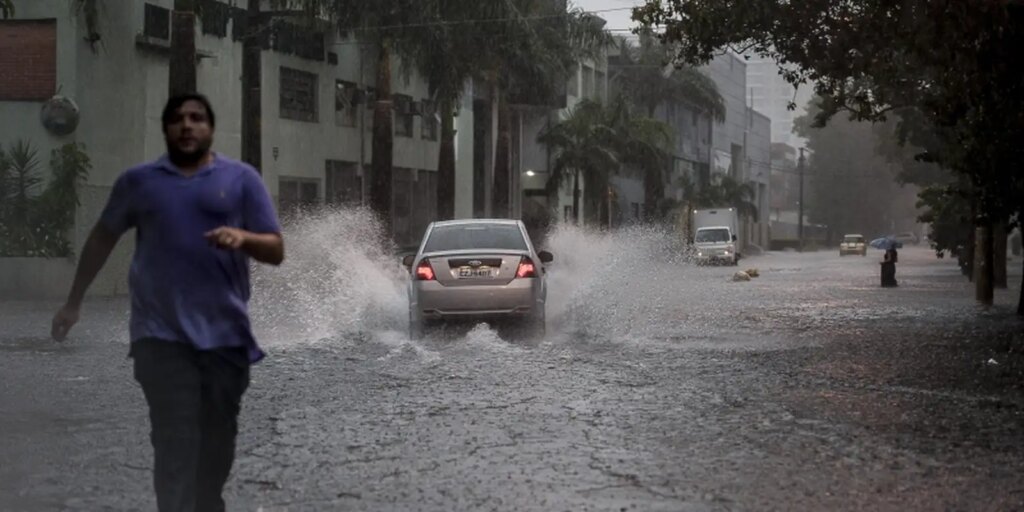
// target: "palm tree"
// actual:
[[646, 74], [533, 58], [596, 142], [644, 144], [583, 145], [516, 48], [392, 28], [449, 56]]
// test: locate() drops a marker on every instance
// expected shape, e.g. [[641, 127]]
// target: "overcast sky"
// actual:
[[619, 19]]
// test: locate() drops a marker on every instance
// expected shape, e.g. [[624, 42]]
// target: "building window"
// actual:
[[588, 82], [298, 95], [30, 48], [403, 115], [574, 82], [344, 186], [157, 22], [215, 17], [430, 121], [297, 194], [298, 40], [344, 103]]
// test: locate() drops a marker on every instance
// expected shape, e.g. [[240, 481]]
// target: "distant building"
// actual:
[[317, 98], [771, 94], [742, 143], [316, 124]]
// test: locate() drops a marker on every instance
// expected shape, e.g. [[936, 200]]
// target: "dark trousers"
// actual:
[[888, 274], [194, 397]]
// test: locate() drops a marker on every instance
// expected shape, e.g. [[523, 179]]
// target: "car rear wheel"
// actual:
[[534, 327], [415, 329]]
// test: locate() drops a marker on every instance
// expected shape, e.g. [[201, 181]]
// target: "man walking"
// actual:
[[199, 217]]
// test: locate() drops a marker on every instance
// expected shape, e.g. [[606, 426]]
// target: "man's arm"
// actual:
[[95, 252], [263, 247]]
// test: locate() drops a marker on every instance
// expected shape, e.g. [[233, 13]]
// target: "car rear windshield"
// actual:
[[853, 239], [713, 235], [476, 236]]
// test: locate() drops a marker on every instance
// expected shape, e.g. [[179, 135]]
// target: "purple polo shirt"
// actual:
[[183, 289]]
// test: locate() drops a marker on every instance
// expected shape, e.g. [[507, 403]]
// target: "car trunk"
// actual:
[[478, 269]]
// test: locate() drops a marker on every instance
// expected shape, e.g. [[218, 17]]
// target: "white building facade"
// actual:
[[315, 141]]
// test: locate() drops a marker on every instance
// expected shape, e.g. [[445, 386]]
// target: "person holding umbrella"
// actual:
[[888, 264]]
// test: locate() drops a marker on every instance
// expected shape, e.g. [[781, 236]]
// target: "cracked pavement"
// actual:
[[664, 387]]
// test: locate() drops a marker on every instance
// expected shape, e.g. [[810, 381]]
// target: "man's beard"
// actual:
[[188, 158]]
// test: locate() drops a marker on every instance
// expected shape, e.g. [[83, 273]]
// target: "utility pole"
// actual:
[[800, 212]]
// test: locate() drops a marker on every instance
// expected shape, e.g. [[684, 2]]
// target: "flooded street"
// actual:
[[660, 386]]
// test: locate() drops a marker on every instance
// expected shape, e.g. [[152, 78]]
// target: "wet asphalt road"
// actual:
[[661, 386]]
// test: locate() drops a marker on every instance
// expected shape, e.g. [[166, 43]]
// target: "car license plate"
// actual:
[[474, 273]]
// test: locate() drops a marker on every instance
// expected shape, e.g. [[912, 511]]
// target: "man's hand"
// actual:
[[264, 247], [227, 238], [65, 318]]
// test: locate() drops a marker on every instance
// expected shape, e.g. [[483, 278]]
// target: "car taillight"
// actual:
[[425, 272], [526, 268]]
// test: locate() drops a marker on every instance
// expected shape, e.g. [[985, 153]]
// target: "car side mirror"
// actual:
[[734, 238], [408, 260], [545, 257]]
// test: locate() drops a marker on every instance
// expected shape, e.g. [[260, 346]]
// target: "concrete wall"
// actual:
[[730, 75], [759, 149], [34, 278]]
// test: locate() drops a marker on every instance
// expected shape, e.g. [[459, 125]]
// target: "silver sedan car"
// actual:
[[477, 270]]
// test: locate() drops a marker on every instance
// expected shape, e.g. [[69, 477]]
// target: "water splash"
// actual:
[[613, 284], [342, 283], [339, 279]]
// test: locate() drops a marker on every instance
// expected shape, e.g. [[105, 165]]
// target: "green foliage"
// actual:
[[598, 141], [949, 66], [6, 9], [36, 222], [949, 215], [582, 144], [646, 74]]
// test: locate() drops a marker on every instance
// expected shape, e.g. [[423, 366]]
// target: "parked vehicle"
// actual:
[[853, 244], [715, 236], [477, 270]]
